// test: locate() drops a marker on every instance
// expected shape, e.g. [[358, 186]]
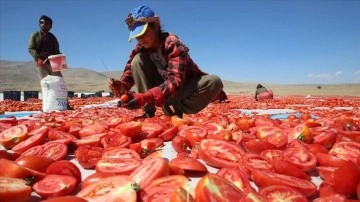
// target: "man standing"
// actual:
[[42, 44]]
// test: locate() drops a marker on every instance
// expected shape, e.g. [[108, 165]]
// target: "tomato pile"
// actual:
[[233, 156]]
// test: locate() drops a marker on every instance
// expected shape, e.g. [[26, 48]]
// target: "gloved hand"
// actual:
[[40, 62], [118, 87], [139, 100]]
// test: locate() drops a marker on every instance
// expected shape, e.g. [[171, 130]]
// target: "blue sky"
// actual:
[[265, 41]]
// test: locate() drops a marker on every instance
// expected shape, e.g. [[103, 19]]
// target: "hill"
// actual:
[[17, 75]]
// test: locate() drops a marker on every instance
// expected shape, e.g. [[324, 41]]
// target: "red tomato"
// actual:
[[131, 128], [301, 132], [149, 170], [55, 134], [326, 172], [88, 156], [219, 153], [212, 187], [5, 154], [114, 188], [54, 150], [12, 136], [93, 140], [65, 198], [162, 188], [283, 166], [64, 167], [266, 178], [237, 177], [255, 161], [346, 179], [93, 129], [282, 193], [115, 139], [303, 159], [326, 138], [150, 130], [257, 146], [245, 124], [94, 177], [55, 185], [14, 189], [280, 140], [180, 143], [272, 153], [123, 166], [194, 134], [112, 122], [169, 134], [35, 162], [12, 169], [188, 164], [37, 137], [263, 131], [329, 160], [125, 98], [181, 195], [332, 197], [119, 152], [346, 150]]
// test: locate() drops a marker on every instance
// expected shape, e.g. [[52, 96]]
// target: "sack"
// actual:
[[268, 95], [54, 93]]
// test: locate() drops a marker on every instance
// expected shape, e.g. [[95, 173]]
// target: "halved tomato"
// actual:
[[149, 170], [88, 156], [94, 177], [64, 167], [219, 153], [264, 179], [12, 136], [303, 159], [301, 132], [194, 134], [114, 188], [14, 189], [181, 195], [119, 166], [188, 164], [35, 162], [212, 187], [237, 177], [36, 137], [131, 129], [65, 198], [55, 185], [119, 152], [12, 169], [282, 193]]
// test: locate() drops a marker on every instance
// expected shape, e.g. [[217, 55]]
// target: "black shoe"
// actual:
[[146, 115]]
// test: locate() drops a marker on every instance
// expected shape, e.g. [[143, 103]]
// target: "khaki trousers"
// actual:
[[195, 94], [46, 70]]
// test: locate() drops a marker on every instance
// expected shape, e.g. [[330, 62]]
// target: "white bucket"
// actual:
[[58, 62]]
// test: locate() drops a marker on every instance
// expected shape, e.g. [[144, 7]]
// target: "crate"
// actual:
[[12, 95], [98, 94], [71, 94], [30, 94]]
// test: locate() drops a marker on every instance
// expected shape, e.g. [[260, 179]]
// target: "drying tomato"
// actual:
[[55, 185], [55, 134], [255, 161], [12, 136], [150, 130], [88, 156], [181, 195], [119, 152], [5, 154], [212, 187], [94, 177], [346, 179], [114, 188], [35, 162], [180, 143], [301, 132], [112, 122], [283, 166], [14, 189], [194, 134], [237, 177], [93, 140], [326, 138], [131, 128], [264, 179], [263, 131], [36, 137], [65, 167], [303, 159], [257, 146], [282, 193], [115, 139], [149, 170], [245, 124], [169, 134], [329, 160], [188, 164], [123, 166], [54, 150], [12, 169], [346, 150], [219, 153], [162, 188], [65, 198]]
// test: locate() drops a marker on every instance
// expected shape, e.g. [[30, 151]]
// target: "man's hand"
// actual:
[[118, 87], [139, 100], [40, 62]]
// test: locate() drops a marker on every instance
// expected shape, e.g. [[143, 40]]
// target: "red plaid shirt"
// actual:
[[178, 61]]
